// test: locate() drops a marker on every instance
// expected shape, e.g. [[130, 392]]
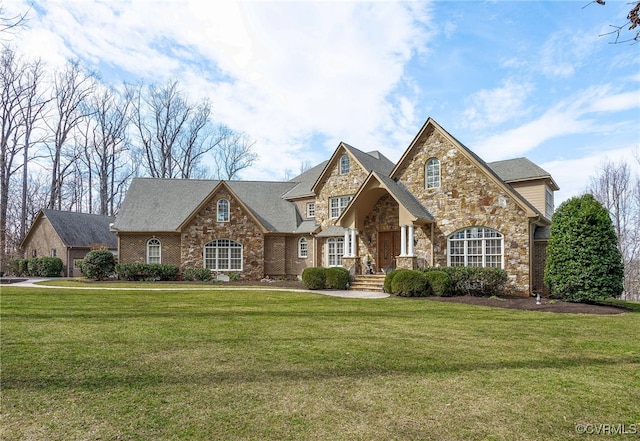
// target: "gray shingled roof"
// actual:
[[371, 161], [405, 198], [153, 204], [164, 204], [305, 181], [82, 229], [265, 200], [518, 169]]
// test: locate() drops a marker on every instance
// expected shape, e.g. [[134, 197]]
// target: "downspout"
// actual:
[[432, 247]]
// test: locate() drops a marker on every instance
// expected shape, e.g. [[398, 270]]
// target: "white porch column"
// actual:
[[352, 248], [403, 240], [346, 248], [410, 241]]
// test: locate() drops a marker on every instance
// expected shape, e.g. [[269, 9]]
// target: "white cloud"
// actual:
[[573, 176], [495, 106], [576, 115]]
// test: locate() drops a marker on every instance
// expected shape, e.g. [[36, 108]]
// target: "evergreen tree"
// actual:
[[583, 260]]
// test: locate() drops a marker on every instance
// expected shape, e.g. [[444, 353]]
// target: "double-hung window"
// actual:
[[223, 210], [303, 247], [154, 249], [432, 173], [337, 206], [335, 251]]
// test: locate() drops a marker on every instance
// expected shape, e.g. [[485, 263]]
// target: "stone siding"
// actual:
[[241, 228], [467, 197], [336, 185]]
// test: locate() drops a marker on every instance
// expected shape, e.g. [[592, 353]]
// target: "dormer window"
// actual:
[[223, 210], [344, 164], [432, 173]]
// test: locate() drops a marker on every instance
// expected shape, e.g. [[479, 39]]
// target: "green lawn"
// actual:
[[259, 365]]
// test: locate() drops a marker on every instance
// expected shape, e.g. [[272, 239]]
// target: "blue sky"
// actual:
[[507, 79]]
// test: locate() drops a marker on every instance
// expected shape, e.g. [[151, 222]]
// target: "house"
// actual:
[[439, 205], [69, 236]]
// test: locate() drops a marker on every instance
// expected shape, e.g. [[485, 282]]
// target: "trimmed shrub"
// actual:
[[388, 279], [337, 278], [410, 284], [33, 267], [474, 281], [23, 267], [314, 277], [98, 264], [440, 282], [202, 274], [50, 266], [147, 271]]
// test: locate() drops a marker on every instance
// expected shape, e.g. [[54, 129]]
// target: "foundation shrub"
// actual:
[[201, 274], [474, 281], [314, 277], [98, 264], [411, 284], [440, 283], [337, 278], [388, 279]]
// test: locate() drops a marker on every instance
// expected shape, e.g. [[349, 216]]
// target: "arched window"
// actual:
[[475, 246], [432, 173], [303, 247], [154, 251], [344, 164], [223, 210], [223, 255], [335, 251]]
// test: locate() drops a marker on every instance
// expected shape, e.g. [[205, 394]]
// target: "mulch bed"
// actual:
[[529, 304]]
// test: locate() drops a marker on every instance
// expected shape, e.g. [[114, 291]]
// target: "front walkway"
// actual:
[[350, 294]]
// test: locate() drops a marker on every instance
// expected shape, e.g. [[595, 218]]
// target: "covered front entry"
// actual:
[[388, 248]]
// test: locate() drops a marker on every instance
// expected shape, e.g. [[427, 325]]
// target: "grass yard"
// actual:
[[273, 365]]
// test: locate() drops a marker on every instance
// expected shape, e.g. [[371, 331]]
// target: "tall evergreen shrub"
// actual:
[[583, 260]]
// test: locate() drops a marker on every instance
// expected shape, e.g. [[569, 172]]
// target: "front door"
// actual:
[[388, 248]]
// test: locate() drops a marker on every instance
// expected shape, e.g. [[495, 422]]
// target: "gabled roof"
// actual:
[[374, 187], [372, 161], [304, 182], [155, 205], [431, 124], [79, 230], [521, 169]]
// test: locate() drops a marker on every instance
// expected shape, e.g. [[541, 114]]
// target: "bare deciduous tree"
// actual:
[[22, 106], [618, 190], [105, 146], [176, 135], [72, 87], [234, 154], [633, 22]]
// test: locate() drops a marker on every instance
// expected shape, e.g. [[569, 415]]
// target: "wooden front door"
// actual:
[[388, 248]]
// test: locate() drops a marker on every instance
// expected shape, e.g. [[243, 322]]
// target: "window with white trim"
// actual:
[[223, 210], [303, 247], [311, 209], [223, 255], [335, 251], [548, 203], [337, 205], [475, 246], [432, 173], [154, 251], [344, 164]]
